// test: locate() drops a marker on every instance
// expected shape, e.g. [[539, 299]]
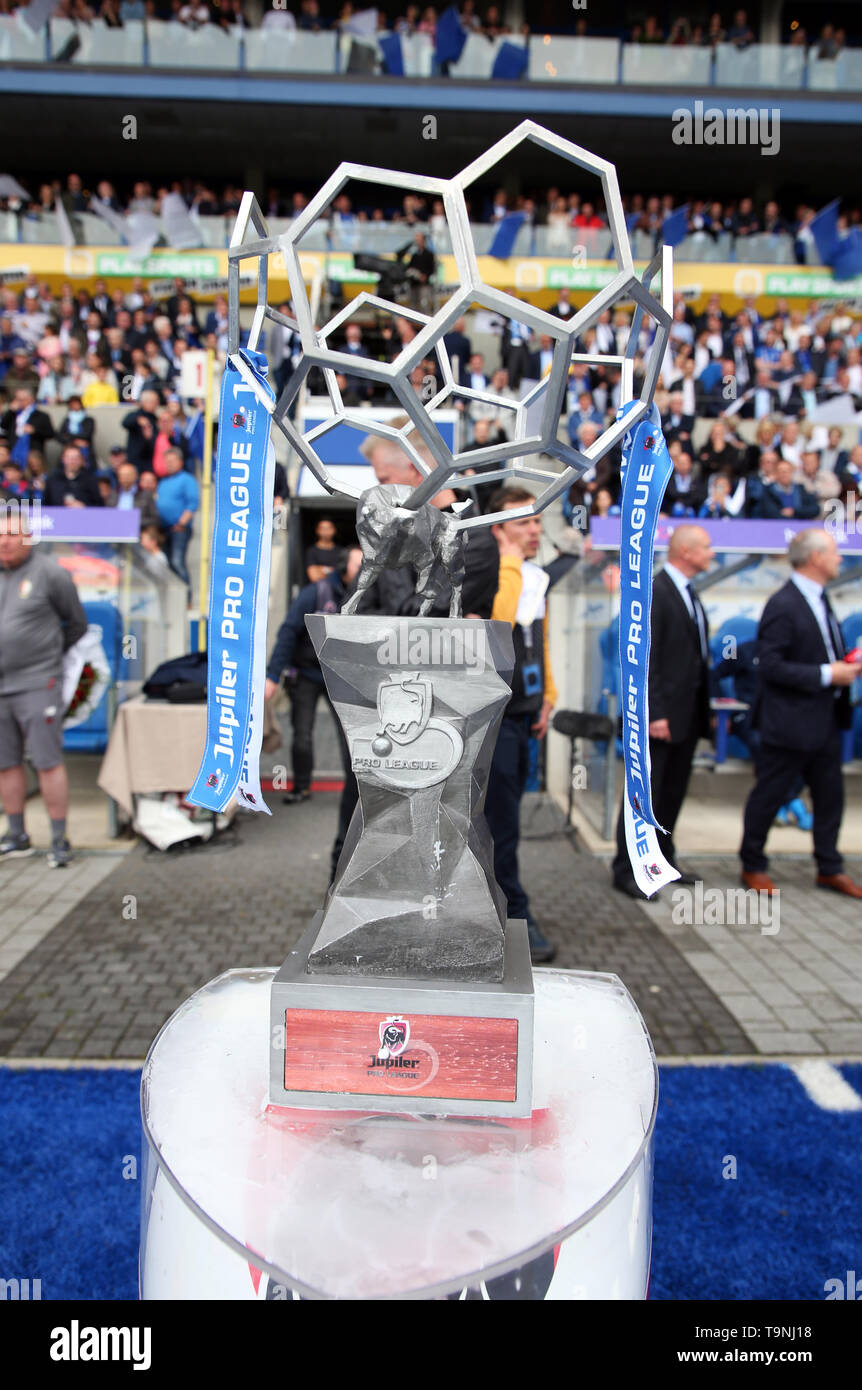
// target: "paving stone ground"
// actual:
[[94, 959]]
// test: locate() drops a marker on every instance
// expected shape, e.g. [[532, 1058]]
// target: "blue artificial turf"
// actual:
[[67, 1215], [787, 1223]]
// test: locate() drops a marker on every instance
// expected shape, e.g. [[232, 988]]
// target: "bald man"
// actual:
[[678, 692], [394, 592]]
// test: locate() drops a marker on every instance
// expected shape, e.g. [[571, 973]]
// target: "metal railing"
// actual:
[[550, 58], [386, 238]]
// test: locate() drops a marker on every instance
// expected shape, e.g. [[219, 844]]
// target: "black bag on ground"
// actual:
[[182, 680]]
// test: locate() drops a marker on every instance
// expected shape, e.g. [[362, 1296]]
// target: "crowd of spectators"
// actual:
[[85, 349], [565, 213], [309, 16], [739, 31], [492, 21], [778, 372]]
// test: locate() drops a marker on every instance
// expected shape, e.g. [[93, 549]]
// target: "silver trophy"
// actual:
[[410, 990]]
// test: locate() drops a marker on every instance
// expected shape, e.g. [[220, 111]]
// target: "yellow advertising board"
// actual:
[[536, 279]]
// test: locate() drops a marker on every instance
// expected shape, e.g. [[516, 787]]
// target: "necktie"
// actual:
[[698, 619], [834, 629]]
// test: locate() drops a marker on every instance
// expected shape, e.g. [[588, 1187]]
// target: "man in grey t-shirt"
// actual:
[[40, 619]]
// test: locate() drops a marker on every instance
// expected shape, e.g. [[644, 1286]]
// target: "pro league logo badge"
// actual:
[[394, 1034]]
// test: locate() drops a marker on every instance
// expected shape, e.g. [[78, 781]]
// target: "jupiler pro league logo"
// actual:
[[407, 747], [394, 1034]]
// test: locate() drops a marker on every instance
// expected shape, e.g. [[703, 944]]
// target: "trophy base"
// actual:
[[454, 1048]]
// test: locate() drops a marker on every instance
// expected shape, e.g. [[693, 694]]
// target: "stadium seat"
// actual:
[[851, 631], [609, 646], [741, 629]]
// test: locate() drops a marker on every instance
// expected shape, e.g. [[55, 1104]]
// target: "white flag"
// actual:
[[181, 231], [11, 188], [67, 236]]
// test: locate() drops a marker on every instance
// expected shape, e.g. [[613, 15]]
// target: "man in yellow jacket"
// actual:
[[520, 601]]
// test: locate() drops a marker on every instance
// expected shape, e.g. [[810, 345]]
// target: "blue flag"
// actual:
[[510, 62], [646, 468], [504, 237], [393, 56], [824, 229], [451, 38], [239, 589], [843, 254], [675, 226], [847, 257]]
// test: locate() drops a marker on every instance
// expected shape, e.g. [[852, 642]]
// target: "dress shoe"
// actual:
[[761, 883], [684, 875], [840, 883], [296, 797], [630, 888]]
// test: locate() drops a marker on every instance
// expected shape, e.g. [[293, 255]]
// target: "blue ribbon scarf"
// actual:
[[646, 468], [239, 589]]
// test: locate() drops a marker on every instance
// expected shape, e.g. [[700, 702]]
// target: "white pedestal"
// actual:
[[243, 1203]]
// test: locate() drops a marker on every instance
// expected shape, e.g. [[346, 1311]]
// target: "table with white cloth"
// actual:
[[154, 747]]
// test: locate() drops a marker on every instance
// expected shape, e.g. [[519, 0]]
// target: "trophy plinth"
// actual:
[[410, 986]]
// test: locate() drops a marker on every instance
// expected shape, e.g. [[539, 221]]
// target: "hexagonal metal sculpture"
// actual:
[[505, 461]]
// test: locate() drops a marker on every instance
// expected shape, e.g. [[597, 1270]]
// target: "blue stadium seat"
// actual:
[[741, 629], [851, 631], [609, 647]]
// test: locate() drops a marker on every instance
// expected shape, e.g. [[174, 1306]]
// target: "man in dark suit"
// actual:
[[72, 485], [457, 345], [675, 424], [784, 498], [141, 425], [685, 493], [23, 427], [761, 399], [801, 707], [517, 350], [171, 306], [678, 692], [564, 308]]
